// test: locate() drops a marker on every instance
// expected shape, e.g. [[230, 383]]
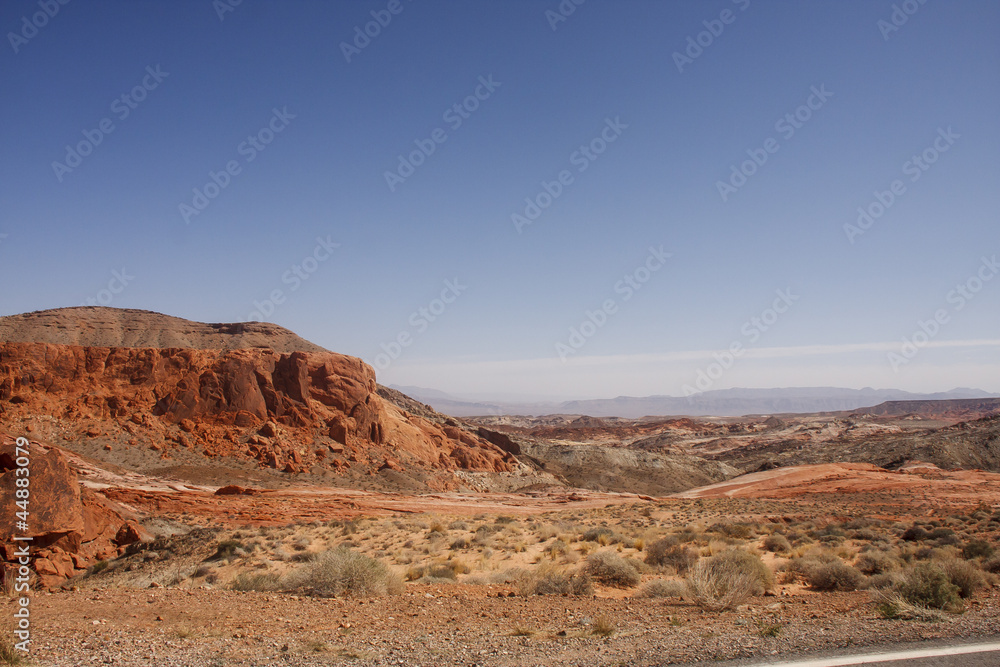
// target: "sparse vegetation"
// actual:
[[834, 576], [228, 549], [726, 580], [777, 543], [602, 626], [611, 569], [928, 585], [551, 580], [663, 588], [256, 582], [9, 654], [344, 571], [667, 552]]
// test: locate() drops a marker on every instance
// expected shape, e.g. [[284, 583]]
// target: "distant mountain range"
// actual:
[[719, 403]]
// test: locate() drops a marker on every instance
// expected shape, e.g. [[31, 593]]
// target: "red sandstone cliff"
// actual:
[[294, 407]]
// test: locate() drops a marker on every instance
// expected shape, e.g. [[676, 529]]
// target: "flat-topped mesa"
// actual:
[[224, 393], [95, 326]]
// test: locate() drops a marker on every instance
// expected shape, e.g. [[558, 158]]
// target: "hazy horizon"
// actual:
[[634, 198]]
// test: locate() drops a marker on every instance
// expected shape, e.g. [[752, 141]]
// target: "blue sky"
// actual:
[[641, 143]]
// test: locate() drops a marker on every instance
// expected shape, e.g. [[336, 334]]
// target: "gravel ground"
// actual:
[[456, 625]]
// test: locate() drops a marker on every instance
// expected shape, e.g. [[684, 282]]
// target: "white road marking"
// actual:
[[891, 657]]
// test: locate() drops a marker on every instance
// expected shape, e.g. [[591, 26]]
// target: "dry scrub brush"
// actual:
[[611, 569], [726, 580], [547, 579], [337, 572]]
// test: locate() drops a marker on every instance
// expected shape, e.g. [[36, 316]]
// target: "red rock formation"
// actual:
[[257, 403], [70, 526]]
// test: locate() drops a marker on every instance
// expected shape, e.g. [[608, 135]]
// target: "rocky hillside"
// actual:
[[953, 410], [127, 385], [966, 445], [625, 470]]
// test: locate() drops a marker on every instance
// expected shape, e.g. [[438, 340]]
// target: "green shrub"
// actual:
[[611, 569], [966, 575], [835, 576], [928, 585], [893, 606], [977, 549]]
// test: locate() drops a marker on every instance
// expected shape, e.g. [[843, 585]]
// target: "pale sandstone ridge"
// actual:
[[293, 406]]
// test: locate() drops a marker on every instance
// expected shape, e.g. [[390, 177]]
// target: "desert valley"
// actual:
[[185, 473]]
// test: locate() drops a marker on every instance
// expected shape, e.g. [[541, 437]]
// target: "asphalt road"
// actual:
[[982, 653]]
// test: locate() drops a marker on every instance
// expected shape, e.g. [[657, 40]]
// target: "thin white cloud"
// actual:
[[948, 364], [695, 355]]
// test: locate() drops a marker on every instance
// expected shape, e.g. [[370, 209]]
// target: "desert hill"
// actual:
[[955, 409], [713, 403], [126, 327], [149, 391], [966, 445]]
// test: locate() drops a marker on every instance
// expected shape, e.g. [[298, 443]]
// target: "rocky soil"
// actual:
[[456, 625]]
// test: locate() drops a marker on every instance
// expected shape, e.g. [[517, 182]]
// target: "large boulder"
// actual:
[[70, 526]]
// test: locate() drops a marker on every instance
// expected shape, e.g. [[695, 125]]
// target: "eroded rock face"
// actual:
[[70, 526], [54, 495], [257, 403]]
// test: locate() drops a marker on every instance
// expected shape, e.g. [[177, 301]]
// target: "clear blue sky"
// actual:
[[609, 67]]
